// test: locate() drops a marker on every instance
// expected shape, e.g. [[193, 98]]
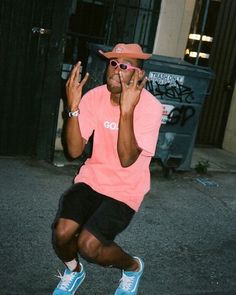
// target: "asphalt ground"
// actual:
[[185, 232]]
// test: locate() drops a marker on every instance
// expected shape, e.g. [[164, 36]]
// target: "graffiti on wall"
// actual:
[[177, 115], [169, 86]]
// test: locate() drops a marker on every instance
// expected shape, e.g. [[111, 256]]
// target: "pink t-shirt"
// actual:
[[103, 171]]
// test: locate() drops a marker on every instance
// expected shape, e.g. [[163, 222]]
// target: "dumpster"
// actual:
[[181, 88]]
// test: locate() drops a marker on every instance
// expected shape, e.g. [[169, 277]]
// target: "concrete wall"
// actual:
[[173, 27], [229, 143]]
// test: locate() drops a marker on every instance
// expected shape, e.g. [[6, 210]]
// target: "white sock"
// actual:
[[71, 264]]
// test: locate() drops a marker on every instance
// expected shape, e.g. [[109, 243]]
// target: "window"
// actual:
[[201, 36]]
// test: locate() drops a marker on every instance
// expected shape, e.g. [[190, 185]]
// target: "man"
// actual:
[[110, 186]]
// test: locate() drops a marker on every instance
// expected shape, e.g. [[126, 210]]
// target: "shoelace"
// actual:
[[65, 280], [126, 282]]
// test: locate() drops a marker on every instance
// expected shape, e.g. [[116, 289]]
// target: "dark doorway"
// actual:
[[212, 43], [31, 57]]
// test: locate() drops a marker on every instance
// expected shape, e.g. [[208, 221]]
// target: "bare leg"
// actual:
[[65, 240], [67, 244], [93, 250]]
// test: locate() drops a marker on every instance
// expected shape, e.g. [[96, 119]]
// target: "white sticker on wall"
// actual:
[[167, 108]]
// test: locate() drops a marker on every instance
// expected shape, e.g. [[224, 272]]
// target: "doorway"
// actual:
[[212, 43], [31, 56]]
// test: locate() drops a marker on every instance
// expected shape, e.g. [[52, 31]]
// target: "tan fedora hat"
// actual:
[[126, 50]]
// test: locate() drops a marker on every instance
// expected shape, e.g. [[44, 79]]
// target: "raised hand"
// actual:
[[74, 87], [130, 94]]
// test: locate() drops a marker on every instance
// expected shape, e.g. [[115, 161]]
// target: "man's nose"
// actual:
[[117, 70]]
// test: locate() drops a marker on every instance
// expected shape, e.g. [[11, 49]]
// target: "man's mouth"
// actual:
[[114, 81]]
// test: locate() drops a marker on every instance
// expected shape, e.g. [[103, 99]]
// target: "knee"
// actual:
[[89, 247], [61, 235]]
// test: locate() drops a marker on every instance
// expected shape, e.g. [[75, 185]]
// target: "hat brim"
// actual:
[[111, 54]]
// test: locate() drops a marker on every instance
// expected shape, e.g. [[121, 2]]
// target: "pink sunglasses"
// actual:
[[122, 66]]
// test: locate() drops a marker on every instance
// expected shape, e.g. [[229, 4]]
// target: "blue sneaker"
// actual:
[[70, 282], [130, 281]]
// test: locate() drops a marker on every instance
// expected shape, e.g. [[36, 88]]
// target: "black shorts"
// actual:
[[101, 215]]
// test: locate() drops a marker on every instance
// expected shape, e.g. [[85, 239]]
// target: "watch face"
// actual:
[[73, 114]]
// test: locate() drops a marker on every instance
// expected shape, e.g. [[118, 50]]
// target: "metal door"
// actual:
[[30, 57], [223, 62]]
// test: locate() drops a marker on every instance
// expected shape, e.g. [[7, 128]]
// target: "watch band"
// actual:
[[73, 114]]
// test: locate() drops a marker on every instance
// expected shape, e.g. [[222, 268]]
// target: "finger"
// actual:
[[76, 73], [141, 75], [84, 79], [135, 77], [142, 84], [122, 80], [73, 71], [71, 78]]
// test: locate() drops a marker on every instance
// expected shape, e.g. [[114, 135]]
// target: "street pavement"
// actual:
[[184, 231]]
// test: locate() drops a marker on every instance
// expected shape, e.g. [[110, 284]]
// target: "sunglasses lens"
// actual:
[[123, 66], [113, 63]]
